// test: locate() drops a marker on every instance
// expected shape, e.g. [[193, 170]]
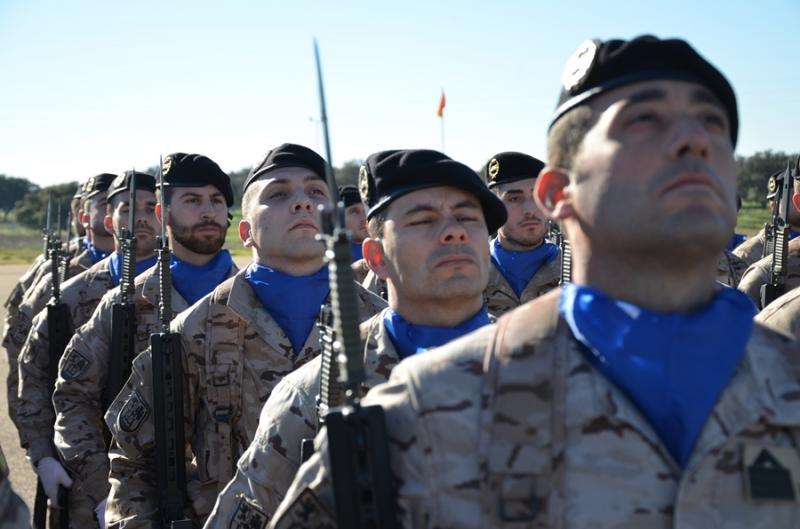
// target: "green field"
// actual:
[[20, 245]]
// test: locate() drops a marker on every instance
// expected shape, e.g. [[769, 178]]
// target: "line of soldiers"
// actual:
[[639, 392]]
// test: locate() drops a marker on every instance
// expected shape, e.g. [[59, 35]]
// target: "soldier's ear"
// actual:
[[108, 224], [246, 234], [84, 218], [158, 212], [372, 249], [552, 193], [796, 201]]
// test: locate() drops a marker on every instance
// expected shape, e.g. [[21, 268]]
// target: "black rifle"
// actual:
[[58, 331], [359, 449], [556, 236], [123, 313], [777, 236], [168, 393]]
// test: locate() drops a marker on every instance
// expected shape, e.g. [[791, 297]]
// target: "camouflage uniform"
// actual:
[[783, 314], [752, 249], [14, 514], [513, 421], [500, 298], [234, 354], [757, 274], [27, 302], [266, 469], [730, 269], [35, 415], [375, 284], [82, 377]]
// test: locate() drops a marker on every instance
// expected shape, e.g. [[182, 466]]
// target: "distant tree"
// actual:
[[13, 189], [237, 182], [754, 172], [347, 174], [31, 211]]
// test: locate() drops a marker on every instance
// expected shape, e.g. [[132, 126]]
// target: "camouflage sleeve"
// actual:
[[79, 435], [14, 513], [309, 500], [752, 279], [35, 415], [133, 499], [267, 467]]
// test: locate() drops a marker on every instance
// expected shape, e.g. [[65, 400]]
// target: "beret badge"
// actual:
[[579, 65], [363, 184], [772, 185], [89, 185], [494, 169], [167, 165]]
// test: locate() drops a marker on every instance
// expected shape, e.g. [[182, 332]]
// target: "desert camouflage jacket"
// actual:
[[500, 298], [234, 353], [752, 249], [82, 378], [35, 415], [18, 320], [14, 514], [512, 427], [730, 269], [266, 469], [757, 274], [783, 314]]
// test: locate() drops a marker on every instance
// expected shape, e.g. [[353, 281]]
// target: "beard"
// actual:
[[205, 244]]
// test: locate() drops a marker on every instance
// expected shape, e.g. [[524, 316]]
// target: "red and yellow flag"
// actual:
[[442, 101]]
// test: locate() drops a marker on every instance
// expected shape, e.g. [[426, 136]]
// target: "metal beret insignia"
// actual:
[[772, 184], [363, 184], [579, 65], [494, 168], [166, 166], [88, 185]]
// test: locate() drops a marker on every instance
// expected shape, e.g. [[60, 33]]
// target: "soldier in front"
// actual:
[[641, 395]]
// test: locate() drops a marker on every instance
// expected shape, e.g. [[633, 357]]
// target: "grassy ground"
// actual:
[[21, 245]]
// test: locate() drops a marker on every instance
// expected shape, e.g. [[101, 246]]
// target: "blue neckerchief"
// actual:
[[115, 266], [519, 267], [95, 254], [793, 234], [672, 366], [294, 302], [357, 253], [193, 282], [409, 338], [735, 241]]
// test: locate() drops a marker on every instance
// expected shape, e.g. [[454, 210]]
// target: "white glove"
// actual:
[[52, 474], [100, 512]]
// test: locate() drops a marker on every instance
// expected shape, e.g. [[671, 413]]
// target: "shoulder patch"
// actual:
[[248, 515], [133, 413], [74, 364], [306, 511]]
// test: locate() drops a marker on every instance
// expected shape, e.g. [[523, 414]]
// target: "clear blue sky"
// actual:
[[91, 87]]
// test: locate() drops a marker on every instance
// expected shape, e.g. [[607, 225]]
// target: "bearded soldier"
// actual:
[[238, 342]]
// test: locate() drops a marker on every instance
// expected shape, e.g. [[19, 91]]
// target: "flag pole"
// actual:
[[442, 132]]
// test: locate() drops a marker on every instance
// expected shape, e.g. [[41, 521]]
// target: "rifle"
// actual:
[[168, 392], [59, 331], [777, 236], [359, 449], [123, 313], [556, 236]]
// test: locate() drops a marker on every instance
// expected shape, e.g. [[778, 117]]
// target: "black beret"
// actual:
[[122, 183], [599, 66], [97, 184], [387, 175], [349, 195], [511, 166], [195, 170], [287, 155]]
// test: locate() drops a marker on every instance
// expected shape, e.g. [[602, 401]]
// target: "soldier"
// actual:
[[31, 300], [196, 195], [524, 264], [783, 313], [238, 342], [752, 249], [429, 218], [14, 514], [642, 394], [355, 217], [81, 295]]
